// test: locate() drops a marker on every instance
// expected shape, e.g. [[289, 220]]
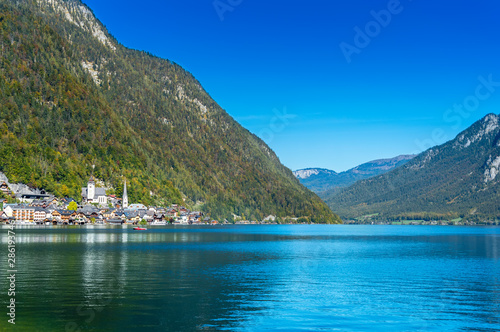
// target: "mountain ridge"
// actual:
[[73, 98], [456, 179], [321, 180]]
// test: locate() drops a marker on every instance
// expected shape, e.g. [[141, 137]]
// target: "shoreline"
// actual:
[[220, 225]]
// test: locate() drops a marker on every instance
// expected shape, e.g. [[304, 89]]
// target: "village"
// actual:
[[95, 208]]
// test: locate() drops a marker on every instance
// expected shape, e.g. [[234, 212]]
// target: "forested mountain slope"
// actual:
[[457, 179], [71, 97]]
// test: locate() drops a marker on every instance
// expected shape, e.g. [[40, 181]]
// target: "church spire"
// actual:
[[125, 196]]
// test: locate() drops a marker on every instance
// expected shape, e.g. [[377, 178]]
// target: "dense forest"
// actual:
[[459, 179], [72, 98]]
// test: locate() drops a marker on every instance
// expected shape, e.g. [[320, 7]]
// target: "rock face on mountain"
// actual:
[[458, 178], [320, 180], [72, 97]]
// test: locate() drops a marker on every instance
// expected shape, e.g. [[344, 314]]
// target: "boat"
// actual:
[[140, 229]]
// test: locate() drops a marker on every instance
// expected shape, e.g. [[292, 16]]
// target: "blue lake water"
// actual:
[[254, 278]]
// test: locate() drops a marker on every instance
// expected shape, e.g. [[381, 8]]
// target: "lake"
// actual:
[[255, 277]]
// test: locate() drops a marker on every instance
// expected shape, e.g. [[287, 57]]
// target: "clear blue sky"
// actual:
[[392, 98]]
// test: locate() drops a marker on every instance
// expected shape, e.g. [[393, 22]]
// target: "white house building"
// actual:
[[8, 209], [40, 214]]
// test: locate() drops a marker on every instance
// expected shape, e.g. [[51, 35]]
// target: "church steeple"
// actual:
[[125, 196]]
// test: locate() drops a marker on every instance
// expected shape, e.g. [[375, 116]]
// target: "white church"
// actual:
[[93, 194]]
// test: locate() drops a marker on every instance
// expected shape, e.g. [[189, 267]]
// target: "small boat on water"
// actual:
[[140, 229]]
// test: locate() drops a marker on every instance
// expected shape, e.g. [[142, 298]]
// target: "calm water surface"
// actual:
[[253, 278]]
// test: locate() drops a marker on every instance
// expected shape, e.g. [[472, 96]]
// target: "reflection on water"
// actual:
[[347, 278]]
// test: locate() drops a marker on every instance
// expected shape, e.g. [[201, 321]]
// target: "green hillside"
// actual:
[[457, 179], [71, 97]]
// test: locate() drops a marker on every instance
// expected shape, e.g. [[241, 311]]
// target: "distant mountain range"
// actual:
[[457, 179], [320, 180]]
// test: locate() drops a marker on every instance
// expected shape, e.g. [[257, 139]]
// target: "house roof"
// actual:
[[131, 214], [66, 212], [88, 209], [22, 207], [137, 207]]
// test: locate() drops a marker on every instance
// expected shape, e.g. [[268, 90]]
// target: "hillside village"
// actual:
[[95, 207]]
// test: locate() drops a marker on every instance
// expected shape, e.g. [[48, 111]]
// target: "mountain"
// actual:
[[72, 98], [320, 180], [316, 179], [456, 179]]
